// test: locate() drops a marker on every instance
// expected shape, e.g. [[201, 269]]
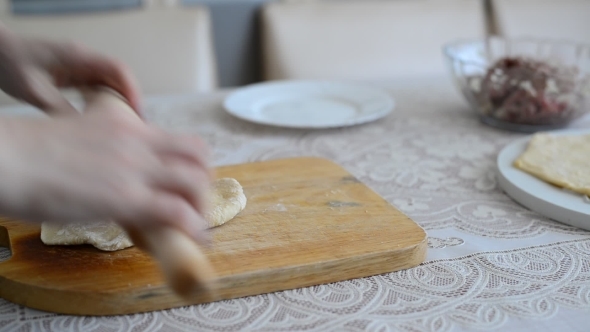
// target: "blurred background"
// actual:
[[201, 45]]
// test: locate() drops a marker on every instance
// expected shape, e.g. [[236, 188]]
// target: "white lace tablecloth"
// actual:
[[492, 264]]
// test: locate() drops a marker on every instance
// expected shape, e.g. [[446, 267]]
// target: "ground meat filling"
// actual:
[[526, 91]]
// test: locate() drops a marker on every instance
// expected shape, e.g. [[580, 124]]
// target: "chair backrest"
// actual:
[[553, 19], [169, 49], [363, 39]]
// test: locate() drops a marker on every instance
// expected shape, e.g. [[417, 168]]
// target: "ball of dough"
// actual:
[[226, 201]]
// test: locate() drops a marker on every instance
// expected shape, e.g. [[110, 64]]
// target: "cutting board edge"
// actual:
[[419, 249], [43, 296], [78, 301]]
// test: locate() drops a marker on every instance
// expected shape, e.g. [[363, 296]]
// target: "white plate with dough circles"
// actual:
[[309, 104], [553, 202]]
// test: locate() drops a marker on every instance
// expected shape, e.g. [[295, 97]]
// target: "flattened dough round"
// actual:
[[104, 235], [226, 201], [563, 161]]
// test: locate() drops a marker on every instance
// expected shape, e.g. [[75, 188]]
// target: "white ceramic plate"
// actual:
[[551, 201], [309, 104]]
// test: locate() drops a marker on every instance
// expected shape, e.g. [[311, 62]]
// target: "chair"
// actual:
[[553, 19], [168, 48], [363, 40]]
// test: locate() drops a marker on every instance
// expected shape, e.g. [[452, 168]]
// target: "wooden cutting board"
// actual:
[[307, 222]]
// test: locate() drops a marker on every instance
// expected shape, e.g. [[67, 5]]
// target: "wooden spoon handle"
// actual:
[[184, 265]]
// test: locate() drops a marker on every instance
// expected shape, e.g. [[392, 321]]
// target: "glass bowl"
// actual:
[[524, 84]]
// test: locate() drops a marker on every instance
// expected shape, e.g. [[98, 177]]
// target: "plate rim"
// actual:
[[391, 105], [535, 201]]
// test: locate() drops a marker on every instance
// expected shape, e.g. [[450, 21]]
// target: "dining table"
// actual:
[[491, 264]]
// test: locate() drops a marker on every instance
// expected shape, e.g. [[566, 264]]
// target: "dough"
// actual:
[[563, 161], [104, 235], [226, 201]]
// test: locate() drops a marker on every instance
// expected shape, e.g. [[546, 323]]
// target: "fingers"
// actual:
[[179, 180], [189, 182], [79, 66], [184, 170], [189, 148], [183, 167], [176, 199], [168, 209]]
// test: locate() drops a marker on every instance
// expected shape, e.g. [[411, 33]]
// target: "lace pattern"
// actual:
[[479, 291], [433, 160]]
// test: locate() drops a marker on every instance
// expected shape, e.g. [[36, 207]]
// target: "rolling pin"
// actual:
[[186, 268]]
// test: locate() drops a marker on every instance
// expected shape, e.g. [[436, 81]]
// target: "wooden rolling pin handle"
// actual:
[[184, 265]]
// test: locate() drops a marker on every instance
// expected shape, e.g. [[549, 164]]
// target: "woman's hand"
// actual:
[[34, 70], [102, 165]]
